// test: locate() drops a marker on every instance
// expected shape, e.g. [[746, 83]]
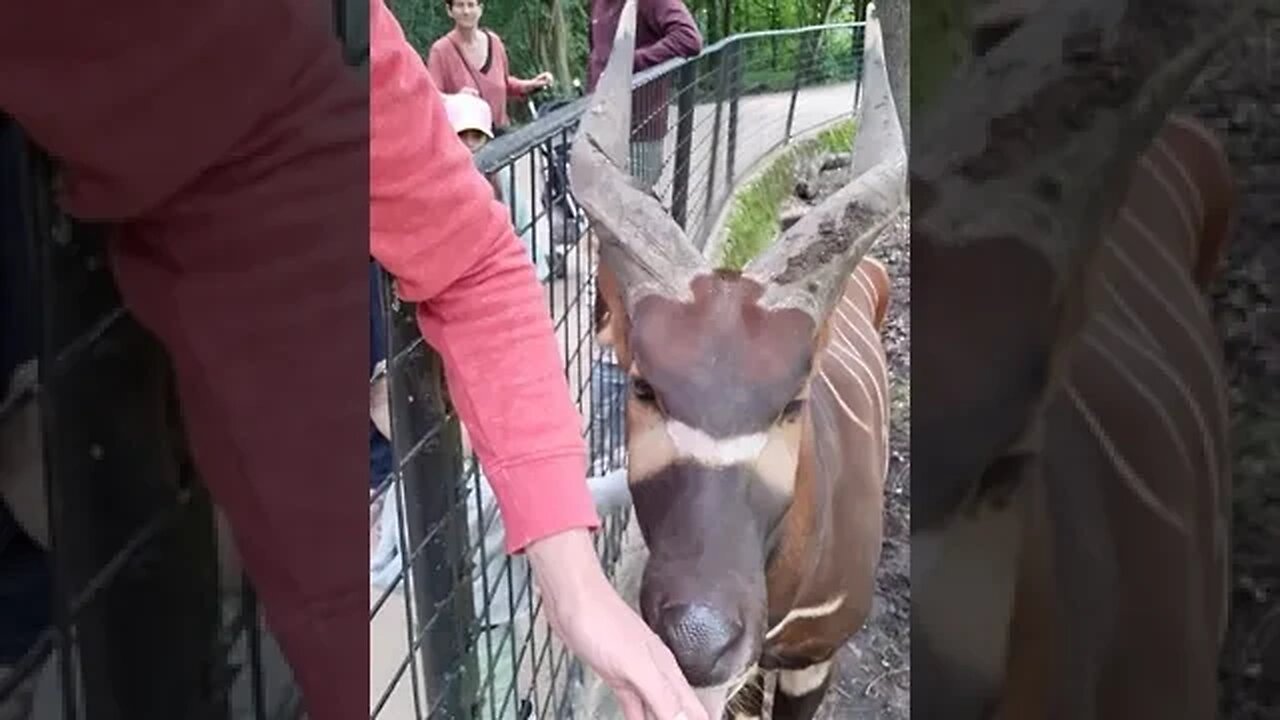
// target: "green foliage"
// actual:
[[753, 220], [836, 139], [533, 29], [424, 21], [771, 64]]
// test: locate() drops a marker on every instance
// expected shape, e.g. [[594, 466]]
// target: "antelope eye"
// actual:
[[792, 410], [643, 391]]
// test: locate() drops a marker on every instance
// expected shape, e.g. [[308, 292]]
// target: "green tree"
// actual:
[[552, 34]]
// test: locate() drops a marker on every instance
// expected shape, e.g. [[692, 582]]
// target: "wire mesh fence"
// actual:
[[121, 595], [456, 627], [118, 598]]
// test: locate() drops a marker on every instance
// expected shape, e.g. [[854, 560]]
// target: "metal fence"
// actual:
[[456, 626], [140, 618], [133, 606]]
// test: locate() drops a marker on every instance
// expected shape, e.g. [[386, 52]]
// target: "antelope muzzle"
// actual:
[[703, 591]]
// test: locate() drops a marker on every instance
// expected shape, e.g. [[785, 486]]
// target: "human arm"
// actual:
[[517, 87], [436, 227], [521, 88], [678, 34], [584, 609], [436, 67]]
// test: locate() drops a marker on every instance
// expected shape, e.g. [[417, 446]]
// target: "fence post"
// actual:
[[351, 26], [427, 447], [795, 92], [686, 77], [132, 535], [808, 63], [735, 94], [858, 32], [722, 82]]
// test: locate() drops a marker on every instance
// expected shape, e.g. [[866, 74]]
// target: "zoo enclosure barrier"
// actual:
[[142, 620], [468, 640], [138, 615]]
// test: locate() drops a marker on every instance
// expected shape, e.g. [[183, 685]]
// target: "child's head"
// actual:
[[471, 119]]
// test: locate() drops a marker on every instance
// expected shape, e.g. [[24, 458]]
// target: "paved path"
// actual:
[[762, 121]]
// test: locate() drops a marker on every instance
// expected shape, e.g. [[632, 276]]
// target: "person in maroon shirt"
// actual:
[[664, 30]]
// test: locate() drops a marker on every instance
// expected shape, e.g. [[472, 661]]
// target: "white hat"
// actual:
[[468, 112]]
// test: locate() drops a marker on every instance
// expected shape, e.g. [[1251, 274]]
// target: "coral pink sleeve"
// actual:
[[436, 66], [516, 87], [435, 226]]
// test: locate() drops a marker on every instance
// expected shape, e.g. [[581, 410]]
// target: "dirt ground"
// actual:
[[874, 670], [1244, 305]]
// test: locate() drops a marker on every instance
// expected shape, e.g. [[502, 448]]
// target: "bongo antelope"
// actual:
[[757, 415], [1070, 463]]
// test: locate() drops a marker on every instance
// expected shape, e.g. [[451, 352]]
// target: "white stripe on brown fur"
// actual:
[[694, 444], [798, 683], [848, 411], [1132, 480], [805, 613]]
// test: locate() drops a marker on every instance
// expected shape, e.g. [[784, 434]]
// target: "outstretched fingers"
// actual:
[[662, 687]]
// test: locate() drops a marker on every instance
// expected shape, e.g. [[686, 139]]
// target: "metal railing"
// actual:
[[142, 620], [132, 610], [465, 637]]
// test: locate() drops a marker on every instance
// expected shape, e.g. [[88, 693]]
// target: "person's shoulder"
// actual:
[[499, 47], [651, 10], [662, 5], [440, 45], [497, 40]]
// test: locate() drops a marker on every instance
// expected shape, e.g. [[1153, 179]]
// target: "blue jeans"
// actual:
[[608, 411]]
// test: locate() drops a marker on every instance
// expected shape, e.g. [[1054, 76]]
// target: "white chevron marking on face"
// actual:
[[694, 444]]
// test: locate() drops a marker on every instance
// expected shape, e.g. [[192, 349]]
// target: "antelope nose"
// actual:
[[701, 638]]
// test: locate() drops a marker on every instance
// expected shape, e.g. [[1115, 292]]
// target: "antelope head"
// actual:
[[1021, 166], [719, 364]]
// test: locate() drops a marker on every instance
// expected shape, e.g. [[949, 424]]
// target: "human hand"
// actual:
[[543, 80], [598, 626]]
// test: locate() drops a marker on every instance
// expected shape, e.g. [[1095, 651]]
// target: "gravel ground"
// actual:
[[1236, 96], [875, 668], [1244, 307]]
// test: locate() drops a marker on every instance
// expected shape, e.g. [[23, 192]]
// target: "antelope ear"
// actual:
[[984, 333]]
